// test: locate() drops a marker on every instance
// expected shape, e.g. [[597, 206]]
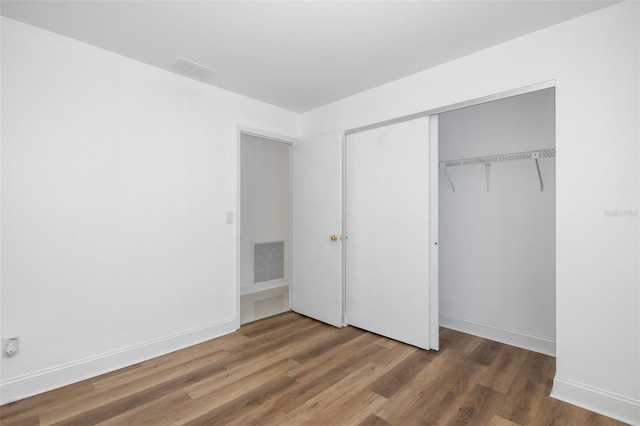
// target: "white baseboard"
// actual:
[[41, 381], [606, 403], [510, 337]]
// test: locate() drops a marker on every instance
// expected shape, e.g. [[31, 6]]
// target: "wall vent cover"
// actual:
[[268, 261], [193, 70]]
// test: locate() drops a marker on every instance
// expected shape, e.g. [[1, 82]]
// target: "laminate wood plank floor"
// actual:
[[290, 370]]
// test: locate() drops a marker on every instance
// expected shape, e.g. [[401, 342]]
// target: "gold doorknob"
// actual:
[[335, 237]]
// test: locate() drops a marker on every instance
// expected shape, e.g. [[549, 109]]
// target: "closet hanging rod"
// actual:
[[526, 155]]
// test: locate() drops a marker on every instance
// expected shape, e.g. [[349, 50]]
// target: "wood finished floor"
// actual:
[[289, 370]]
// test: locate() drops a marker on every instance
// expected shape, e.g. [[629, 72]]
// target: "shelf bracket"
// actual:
[[535, 156], [487, 167], [444, 169]]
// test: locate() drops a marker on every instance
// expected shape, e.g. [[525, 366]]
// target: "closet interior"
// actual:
[[497, 220]]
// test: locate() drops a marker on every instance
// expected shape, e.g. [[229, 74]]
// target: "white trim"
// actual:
[[434, 280], [61, 375], [290, 271], [606, 403], [343, 231], [517, 338], [238, 229], [484, 99], [275, 137]]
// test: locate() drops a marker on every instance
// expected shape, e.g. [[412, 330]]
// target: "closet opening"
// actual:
[[497, 229], [264, 226]]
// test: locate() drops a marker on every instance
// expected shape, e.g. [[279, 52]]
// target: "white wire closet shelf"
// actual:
[[489, 159]]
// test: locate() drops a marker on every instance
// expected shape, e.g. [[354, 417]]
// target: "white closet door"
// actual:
[[387, 226], [316, 288]]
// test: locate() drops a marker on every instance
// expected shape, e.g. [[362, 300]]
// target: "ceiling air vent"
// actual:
[[193, 70]]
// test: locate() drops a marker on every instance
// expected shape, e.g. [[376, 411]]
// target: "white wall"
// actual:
[[115, 181], [264, 204], [594, 60], [497, 248]]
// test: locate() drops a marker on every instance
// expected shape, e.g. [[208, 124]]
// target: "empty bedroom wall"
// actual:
[[116, 177]]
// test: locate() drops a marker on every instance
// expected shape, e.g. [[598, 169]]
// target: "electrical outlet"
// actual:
[[10, 346]]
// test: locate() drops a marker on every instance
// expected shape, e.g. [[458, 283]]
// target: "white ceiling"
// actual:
[[297, 54]]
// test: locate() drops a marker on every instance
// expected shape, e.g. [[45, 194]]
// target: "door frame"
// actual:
[[343, 231], [434, 226], [288, 140], [434, 173], [451, 107]]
